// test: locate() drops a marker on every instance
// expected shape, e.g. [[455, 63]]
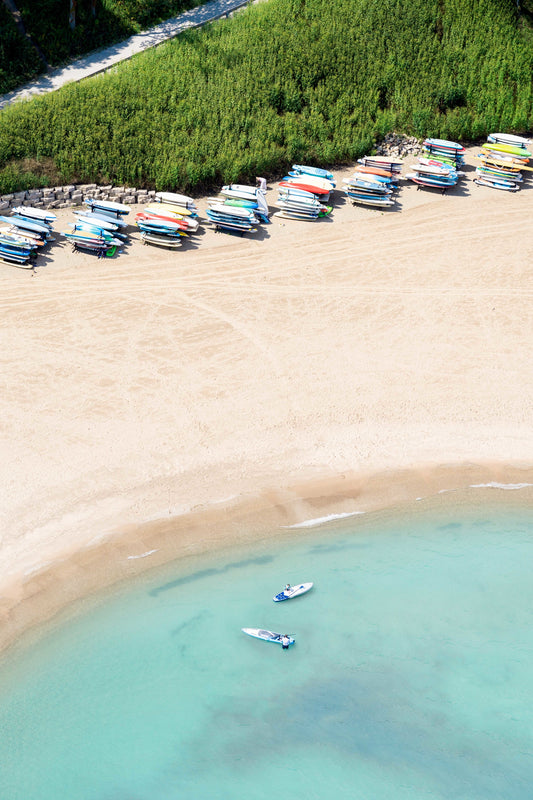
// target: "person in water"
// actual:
[[285, 641]]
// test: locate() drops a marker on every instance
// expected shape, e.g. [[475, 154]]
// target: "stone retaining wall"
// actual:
[[70, 196], [396, 144]]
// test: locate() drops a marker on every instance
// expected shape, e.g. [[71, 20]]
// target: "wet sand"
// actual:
[[179, 401]]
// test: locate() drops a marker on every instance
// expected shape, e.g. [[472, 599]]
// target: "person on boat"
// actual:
[[285, 641], [287, 589]]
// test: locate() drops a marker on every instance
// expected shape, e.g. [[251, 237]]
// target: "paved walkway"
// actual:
[[100, 60]]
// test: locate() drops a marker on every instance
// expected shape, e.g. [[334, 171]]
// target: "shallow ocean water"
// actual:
[[411, 676]]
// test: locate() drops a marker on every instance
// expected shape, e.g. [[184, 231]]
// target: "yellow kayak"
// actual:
[[168, 209]]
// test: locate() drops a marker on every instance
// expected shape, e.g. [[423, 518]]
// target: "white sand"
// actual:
[[162, 382]]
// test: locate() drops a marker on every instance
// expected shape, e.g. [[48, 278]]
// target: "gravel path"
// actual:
[[100, 60]]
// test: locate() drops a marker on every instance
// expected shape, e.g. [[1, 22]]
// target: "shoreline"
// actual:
[[31, 603], [243, 385]]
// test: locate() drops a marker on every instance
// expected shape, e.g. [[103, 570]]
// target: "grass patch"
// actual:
[[332, 76]]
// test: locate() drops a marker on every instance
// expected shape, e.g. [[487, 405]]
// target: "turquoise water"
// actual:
[[411, 676]]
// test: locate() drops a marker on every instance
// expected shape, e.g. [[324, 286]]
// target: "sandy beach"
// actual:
[[163, 403]]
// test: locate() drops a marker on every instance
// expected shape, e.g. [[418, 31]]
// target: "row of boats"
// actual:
[[304, 194], [171, 218], [376, 179], [503, 158]]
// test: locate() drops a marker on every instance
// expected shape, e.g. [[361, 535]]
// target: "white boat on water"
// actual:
[[268, 636], [292, 591]]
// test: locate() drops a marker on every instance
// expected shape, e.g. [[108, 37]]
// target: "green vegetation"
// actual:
[[47, 22], [287, 80], [19, 61]]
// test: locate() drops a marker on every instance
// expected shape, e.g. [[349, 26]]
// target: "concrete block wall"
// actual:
[[71, 196]]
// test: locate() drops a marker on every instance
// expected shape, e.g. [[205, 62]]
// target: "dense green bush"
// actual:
[[47, 22], [286, 80], [19, 61]]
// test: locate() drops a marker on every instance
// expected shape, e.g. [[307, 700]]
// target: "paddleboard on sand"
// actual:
[[160, 240], [306, 187], [19, 222], [318, 171], [312, 180], [292, 591], [107, 205], [97, 222], [105, 215], [38, 214], [14, 261], [161, 219], [509, 149], [170, 208], [444, 144], [175, 199], [267, 636], [508, 138], [233, 211]]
